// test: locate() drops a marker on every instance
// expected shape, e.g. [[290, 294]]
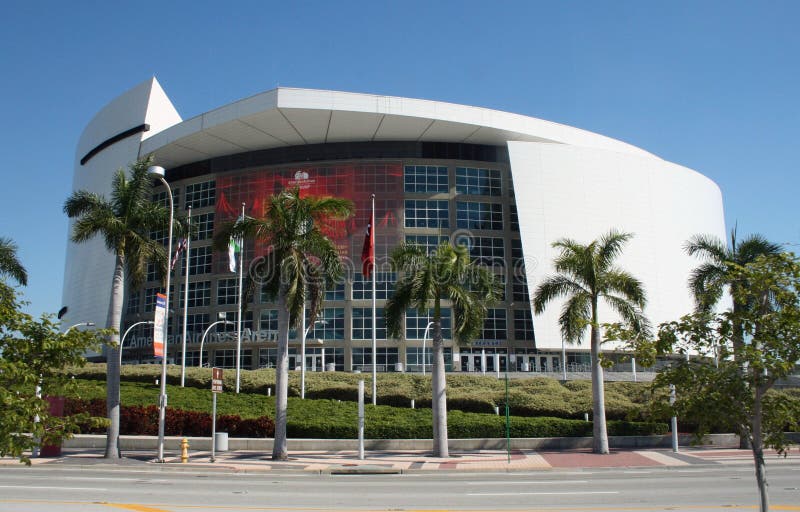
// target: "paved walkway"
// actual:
[[410, 461]]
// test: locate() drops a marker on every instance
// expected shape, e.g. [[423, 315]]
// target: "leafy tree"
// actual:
[[33, 353], [735, 391], [10, 264], [585, 275], [445, 274], [300, 261], [125, 222]]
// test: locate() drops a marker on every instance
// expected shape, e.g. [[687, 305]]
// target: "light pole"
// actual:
[[203, 339], [159, 172], [87, 324], [425, 337], [129, 329], [305, 330]]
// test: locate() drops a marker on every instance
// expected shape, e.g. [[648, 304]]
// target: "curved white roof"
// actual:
[[291, 117]]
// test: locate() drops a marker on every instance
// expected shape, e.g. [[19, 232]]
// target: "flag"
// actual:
[[234, 246], [178, 250], [368, 252]]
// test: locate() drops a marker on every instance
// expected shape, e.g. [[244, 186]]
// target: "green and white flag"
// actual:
[[234, 247]]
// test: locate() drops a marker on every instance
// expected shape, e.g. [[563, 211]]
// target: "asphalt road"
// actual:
[[148, 489]]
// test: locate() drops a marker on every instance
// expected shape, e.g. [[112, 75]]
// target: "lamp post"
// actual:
[[159, 172], [87, 324], [304, 334], [203, 338], [425, 337], [128, 330]]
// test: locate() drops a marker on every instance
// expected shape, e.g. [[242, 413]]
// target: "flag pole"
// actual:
[[374, 316], [186, 292], [239, 312]]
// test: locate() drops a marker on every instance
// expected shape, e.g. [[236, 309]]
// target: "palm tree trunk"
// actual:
[[599, 431], [112, 359], [279, 447], [439, 388]]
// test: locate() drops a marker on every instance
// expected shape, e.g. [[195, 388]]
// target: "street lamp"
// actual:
[[159, 172], [87, 324], [303, 350], [128, 330], [203, 338], [424, 337]]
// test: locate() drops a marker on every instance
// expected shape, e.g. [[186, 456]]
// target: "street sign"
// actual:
[[158, 325], [216, 380]]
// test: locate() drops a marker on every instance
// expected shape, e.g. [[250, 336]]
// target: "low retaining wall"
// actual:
[[265, 445]]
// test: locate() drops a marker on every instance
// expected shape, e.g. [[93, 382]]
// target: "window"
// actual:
[[335, 293], [427, 242], [523, 325], [485, 250], [416, 323], [133, 302], [520, 288], [230, 316], [150, 297], [268, 320], [160, 198], [227, 291], [386, 358], [200, 260], [193, 358], [426, 179], [362, 324], [494, 325], [226, 358], [478, 182], [329, 325], [474, 215], [199, 294], [384, 286], [268, 357], [421, 213], [201, 195], [205, 226], [197, 323], [513, 218], [153, 273], [414, 358]]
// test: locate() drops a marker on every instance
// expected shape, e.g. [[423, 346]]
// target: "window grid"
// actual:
[[476, 215], [423, 213], [416, 323], [486, 250], [513, 218], [230, 316], [386, 357], [226, 358], [384, 286], [362, 324], [134, 298], [199, 294], [523, 324], [268, 320], [335, 293], [426, 179], [428, 242], [160, 198], [329, 324], [227, 291], [204, 223], [200, 195], [494, 325], [200, 260], [478, 182]]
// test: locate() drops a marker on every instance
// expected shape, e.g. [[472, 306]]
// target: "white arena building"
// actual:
[[508, 184]]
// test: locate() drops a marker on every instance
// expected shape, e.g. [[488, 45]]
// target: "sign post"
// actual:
[[216, 388]]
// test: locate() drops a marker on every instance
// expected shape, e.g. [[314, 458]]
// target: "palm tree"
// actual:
[[9, 264], [718, 272], [445, 274], [300, 261], [125, 222], [586, 274]]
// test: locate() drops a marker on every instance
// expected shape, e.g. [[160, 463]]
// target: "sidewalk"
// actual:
[[390, 462]]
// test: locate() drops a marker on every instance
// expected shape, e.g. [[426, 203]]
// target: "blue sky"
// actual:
[[709, 85]]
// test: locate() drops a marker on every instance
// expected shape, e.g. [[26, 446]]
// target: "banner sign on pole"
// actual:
[[158, 325], [216, 380]]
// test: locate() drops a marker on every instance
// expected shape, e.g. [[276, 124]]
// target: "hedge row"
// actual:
[[143, 421], [529, 397], [331, 419]]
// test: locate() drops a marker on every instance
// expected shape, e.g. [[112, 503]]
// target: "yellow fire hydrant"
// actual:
[[184, 451]]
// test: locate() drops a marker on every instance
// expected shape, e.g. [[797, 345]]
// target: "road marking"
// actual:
[[52, 487], [574, 493], [531, 482], [133, 506]]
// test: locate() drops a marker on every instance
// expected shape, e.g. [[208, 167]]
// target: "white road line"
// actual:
[[52, 487], [576, 493], [531, 482]]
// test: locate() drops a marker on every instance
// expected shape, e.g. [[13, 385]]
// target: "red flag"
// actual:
[[368, 252]]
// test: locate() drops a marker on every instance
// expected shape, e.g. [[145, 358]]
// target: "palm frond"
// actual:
[[576, 315], [609, 247], [9, 262], [552, 288], [707, 247], [622, 282]]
